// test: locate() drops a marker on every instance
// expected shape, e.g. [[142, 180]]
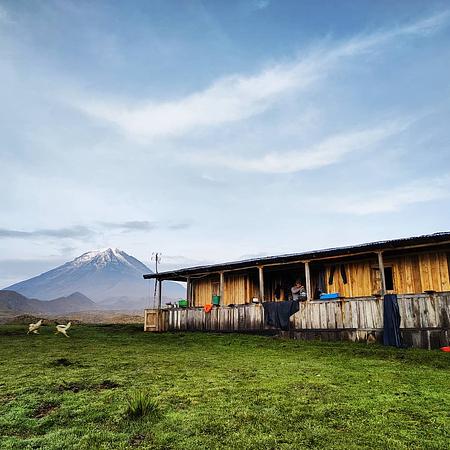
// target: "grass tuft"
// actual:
[[140, 404]]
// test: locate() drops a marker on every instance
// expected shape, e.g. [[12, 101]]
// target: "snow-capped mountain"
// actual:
[[109, 277]]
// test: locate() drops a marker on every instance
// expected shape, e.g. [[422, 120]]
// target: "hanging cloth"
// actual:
[[391, 318], [277, 314]]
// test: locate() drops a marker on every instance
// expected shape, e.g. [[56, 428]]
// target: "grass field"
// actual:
[[217, 391]]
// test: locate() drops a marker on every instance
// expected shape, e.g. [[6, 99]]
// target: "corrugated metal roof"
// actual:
[[436, 238]]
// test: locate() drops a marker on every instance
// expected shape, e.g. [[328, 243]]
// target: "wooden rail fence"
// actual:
[[425, 319]]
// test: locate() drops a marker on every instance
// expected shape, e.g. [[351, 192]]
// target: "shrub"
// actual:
[[141, 404]]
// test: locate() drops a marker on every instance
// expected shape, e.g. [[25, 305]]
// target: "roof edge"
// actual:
[[435, 238]]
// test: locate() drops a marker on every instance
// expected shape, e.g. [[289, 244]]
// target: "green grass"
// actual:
[[216, 391]]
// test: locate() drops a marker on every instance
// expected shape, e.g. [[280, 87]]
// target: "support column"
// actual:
[[189, 291], [221, 287], [159, 294], [381, 267], [308, 281], [261, 283]]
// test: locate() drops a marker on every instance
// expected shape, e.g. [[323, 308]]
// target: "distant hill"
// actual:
[[109, 277], [13, 302]]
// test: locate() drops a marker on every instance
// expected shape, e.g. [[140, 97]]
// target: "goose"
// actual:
[[63, 329], [34, 327]]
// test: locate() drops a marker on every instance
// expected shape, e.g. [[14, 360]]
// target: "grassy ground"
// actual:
[[217, 391]]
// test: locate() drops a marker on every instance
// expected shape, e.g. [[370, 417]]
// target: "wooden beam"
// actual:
[[189, 291], [221, 287], [308, 281], [261, 283], [381, 267], [159, 294]]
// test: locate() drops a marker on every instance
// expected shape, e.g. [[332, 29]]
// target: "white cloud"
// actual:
[[393, 199], [327, 152], [260, 4], [239, 97]]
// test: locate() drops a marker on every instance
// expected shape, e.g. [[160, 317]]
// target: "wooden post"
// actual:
[[188, 291], [221, 287], [381, 267], [308, 281], [159, 294], [261, 283]]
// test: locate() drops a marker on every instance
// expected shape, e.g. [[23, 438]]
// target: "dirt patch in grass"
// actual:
[[137, 440], [73, 386], [7, 398], [44, 409], [107, 384], [62, 362]]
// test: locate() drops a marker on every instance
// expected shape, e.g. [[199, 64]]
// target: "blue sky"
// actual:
[[213, 131]]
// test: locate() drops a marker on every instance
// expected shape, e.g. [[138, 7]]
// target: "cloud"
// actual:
[[260, 4], [5, 16], [327, 152], [238, 97], [394, 199], [75, 232], [80, 232], [144, 225]]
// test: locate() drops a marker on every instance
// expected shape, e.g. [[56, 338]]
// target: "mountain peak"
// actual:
[[104, 257], [98, 274]]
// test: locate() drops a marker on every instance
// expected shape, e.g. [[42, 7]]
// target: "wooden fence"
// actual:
[[425, 319]]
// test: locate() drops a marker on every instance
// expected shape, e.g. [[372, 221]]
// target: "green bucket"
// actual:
[[182, 303], [216, 300]]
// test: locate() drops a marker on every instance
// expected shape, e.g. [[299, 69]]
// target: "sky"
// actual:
[[213, 131]]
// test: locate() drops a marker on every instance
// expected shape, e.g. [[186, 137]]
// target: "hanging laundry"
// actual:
[[277, 314], [391, 318]]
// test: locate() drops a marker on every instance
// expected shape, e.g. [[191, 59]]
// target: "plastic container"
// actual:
[[329, 296], [216, 300], [182, 303]]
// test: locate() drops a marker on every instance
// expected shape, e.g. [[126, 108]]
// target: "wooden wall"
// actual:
[[412, 274], [239, 289], [203, 290], [359, 279], [422, 272]]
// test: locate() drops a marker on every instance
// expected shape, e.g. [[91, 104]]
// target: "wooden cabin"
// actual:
[[414, 266]]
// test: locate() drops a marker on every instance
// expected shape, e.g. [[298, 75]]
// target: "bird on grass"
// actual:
[[34, 327], [63, 329]]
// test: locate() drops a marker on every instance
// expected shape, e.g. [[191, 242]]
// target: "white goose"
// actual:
[[63, 329], [34, 327]]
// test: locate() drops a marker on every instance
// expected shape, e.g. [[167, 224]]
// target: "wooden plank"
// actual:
[[381, 267], [323, 315], [331, 315], [369, 314], [308, 281], [361, 314], [261, 283], [354, 307], [338, 314]]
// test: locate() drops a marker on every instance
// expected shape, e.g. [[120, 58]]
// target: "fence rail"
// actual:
[[354, 319]]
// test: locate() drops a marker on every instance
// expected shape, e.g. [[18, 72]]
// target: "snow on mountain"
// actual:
[[103, 275]]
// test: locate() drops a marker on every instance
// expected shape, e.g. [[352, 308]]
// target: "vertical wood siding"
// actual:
[[411, 274], [417, 312]]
